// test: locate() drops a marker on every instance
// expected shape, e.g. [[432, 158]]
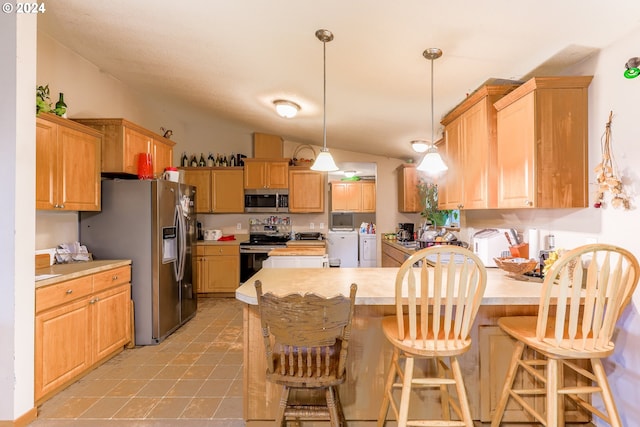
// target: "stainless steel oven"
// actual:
[[254, 251]]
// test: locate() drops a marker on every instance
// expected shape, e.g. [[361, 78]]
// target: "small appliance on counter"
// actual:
[[405, 232], [490, 243]]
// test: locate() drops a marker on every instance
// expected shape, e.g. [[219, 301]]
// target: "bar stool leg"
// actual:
[[388, 388], [284, 398], [552, 392], [462, 394], [607, 396], [406, 392], [508, 384]]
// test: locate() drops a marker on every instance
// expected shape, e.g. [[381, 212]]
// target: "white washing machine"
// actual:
[[368, 256], [342, 248]]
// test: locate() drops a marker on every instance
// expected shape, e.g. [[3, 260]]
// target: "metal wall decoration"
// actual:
[[632, 68]]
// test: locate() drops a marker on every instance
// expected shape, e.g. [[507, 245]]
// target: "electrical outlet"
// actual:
[[322, 226], [312, 226], [239, 226]]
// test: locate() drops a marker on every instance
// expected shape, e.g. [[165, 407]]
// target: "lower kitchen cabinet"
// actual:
[[217, 268], [79, 323], [392, 256]]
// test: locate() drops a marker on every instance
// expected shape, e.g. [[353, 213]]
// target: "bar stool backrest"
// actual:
[[605, 277]]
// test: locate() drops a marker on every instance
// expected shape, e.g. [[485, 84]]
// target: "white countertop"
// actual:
[[375, 285]]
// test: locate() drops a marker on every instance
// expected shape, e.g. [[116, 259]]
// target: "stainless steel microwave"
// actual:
[[265, 200]]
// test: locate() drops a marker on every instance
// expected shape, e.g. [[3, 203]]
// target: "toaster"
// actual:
[[490, 243]]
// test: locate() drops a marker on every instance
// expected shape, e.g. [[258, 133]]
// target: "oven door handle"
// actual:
[[254, 251]]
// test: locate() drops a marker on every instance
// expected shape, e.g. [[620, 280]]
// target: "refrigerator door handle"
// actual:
[[182, 242]]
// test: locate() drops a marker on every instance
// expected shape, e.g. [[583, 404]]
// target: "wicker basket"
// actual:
[[298, 160], [516, 267]]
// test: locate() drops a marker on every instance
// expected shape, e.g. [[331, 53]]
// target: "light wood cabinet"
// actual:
[[124, 141], [267, 146], [217, 268], [470, 151], [408, 194], [306, 190], [67, 165], [392, 256], [353, 196], [264, 173], [542, 144], [218, 190], [78, 324]]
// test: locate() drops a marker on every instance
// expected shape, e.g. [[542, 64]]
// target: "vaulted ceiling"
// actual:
[[234, 58]]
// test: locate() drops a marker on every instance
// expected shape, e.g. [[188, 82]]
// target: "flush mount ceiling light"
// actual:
[[432, 163], [350, 174], [286, 109], [419, 145], [324, 162]]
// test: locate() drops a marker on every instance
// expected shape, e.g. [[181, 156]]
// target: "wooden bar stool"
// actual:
[[306, 339], [435, 310], [591, 285]]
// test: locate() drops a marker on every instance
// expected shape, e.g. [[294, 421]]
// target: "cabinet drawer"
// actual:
[[61, 293], [218, 250], [109, 278]]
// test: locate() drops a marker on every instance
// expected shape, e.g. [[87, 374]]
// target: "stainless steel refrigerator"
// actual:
[[151, 222]]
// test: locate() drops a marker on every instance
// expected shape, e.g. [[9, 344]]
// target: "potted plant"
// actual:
[[429, 198]]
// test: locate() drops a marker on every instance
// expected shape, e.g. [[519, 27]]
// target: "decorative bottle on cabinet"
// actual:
[[61, 107], [184, 162], [202, 162]]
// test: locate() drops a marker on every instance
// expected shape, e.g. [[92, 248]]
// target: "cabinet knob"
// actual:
[[460, 206], [528, 203], [93, 301], [114, 277], [69, 291]]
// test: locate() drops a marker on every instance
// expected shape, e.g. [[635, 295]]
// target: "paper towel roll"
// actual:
[[534, 243]]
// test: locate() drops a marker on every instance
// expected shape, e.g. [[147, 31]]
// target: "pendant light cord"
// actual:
[[433, 143], [324, 95]]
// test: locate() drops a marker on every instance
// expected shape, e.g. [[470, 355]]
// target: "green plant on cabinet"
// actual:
[[429, 198]]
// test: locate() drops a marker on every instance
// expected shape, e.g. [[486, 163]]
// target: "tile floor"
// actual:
[[192, 379]]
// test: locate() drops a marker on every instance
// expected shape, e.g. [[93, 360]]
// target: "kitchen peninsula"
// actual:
[[483, 365]]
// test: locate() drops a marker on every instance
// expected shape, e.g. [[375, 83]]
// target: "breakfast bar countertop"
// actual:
[[375, 285]]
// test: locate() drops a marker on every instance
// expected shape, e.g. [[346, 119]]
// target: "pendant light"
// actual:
[[324, 162], [432, 163]]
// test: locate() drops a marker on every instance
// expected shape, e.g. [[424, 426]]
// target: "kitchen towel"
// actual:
[[534, 243]]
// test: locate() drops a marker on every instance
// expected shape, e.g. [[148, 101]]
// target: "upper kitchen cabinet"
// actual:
[[267, 146], [124, 141], [306, 190], [266, 173], [542, 146], [353, 196], [470, 151], [218, 190], [67, 165], [408, 194]]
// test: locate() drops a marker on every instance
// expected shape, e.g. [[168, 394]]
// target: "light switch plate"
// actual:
[[239, 226], [312, 226]]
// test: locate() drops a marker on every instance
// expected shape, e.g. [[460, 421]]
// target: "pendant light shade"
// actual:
[[432, 164], [324, 162]]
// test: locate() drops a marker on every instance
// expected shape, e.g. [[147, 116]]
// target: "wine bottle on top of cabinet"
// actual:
[[202, 162], [210, 160], [184, 162], [194, 161]]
